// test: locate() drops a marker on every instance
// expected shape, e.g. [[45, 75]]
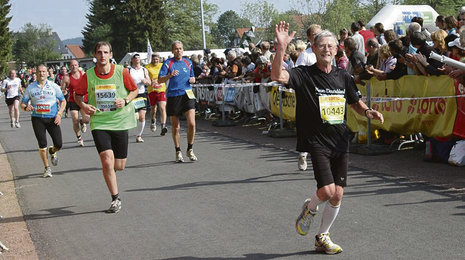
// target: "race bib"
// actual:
[[139, 102], [332, 109], [190, 94], [105, 96], [42, 108]]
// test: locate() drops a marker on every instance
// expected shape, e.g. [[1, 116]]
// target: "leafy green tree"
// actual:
[[227, 23], [260, 13], [34, 45], [96, 29], [125, 24], [5, 36], [183, 23]]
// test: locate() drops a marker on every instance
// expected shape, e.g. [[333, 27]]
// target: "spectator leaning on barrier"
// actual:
[[439, 42], [432, 67], [372, 49], [397, 52], [319, 88]]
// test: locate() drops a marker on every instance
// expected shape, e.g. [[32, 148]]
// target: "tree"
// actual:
[[34, 45], [183, 22], [227, 23], [125, 24], [5, 36], [261, 14]]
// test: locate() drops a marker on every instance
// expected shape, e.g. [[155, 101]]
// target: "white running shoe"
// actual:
[[83, 127], [324, 244], [139, 139], [302, 162], [191, 155], [17, 125], [115, 206], [305, 219], [53, 156], [80, 142], [153, 127], [179, 158], [48, 172]]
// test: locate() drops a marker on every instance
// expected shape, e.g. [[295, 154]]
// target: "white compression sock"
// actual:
[[313, 205], [141, 128], [329, 215]]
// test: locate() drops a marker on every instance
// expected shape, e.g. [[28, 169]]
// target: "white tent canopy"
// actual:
[[399, 17]]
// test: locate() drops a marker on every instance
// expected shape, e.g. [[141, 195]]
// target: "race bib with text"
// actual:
[[332, 109]]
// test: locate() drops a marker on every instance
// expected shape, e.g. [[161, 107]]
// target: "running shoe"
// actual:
[[80, 142], [303, 222], [48, 172], [153, 127], [115, 206], [164, 130], [53, 156], [302, 162], [179, 158], [323, 243], [12, 124], [139, 139], [17, 125], [191, 155], [83, 127]]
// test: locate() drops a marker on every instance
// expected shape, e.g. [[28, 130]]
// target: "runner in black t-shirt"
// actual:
[[322, 92]]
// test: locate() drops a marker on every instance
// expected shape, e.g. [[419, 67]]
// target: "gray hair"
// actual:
[[323, 34], [176, 42], [232, 54], [414, 27]]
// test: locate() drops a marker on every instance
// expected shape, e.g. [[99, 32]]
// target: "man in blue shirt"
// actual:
[[178, 74]]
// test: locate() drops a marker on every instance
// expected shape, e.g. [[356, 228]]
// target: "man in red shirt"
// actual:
[[110, 89], [367, 34]]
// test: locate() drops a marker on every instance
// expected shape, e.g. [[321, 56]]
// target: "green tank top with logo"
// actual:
[[102, 94]]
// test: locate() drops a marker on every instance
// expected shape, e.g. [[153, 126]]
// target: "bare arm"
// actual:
[[284, 38], [65, 84], [362, 109]]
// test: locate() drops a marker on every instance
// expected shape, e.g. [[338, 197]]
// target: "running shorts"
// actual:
[[329, 166], [156, 97], [112, 140], [43, 125], [176, 106]]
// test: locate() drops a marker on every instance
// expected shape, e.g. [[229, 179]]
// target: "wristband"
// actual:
[[368, 109], [126, 102]]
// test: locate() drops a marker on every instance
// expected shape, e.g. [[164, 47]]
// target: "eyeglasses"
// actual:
[[322, 47]]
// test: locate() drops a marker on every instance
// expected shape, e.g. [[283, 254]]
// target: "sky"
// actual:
[[68, 17]]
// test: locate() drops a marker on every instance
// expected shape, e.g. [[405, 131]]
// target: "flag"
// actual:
[[149, 52]]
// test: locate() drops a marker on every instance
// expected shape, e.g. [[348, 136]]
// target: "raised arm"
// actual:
[[284, 38]]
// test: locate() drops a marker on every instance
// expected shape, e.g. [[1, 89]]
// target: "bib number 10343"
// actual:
[[332, 109]]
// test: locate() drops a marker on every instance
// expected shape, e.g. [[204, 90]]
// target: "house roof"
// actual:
[[76, 50]]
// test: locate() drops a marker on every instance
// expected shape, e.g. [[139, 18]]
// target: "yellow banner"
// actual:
[[289, 102], [432, 117]]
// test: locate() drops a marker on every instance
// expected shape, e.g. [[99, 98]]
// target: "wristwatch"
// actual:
[[126, 101]]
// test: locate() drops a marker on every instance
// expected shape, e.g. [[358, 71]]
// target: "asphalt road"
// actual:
[[239, 201]]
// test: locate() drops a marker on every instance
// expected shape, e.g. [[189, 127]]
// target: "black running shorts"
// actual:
[[112, 140], [176, 106], [329, 166]]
